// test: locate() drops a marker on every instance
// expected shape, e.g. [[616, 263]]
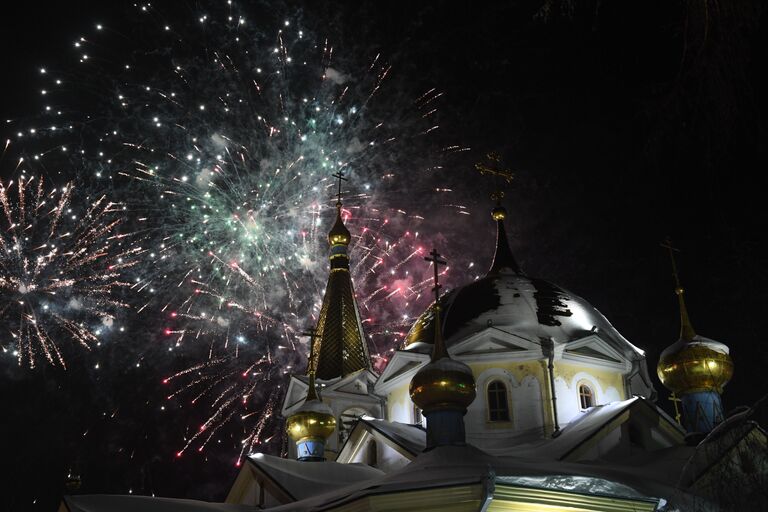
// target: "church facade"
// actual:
[[510, 393]]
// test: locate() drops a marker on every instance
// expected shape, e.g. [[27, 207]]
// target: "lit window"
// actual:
[[498, 408], [586, 397]]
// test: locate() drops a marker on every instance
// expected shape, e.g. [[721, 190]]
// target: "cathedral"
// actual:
[[510, 393]]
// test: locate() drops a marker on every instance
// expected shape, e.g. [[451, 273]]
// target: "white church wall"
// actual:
[[399, 404], [476, 419], [567, 406], [527, 406], [612, 395]]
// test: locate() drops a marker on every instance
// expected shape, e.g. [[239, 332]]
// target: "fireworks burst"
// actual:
[[223, 135], [60, 271]]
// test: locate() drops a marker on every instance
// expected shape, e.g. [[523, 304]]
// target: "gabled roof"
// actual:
[[298, 384], [299, 480], [407, 439], [447, 468], [594, 425]]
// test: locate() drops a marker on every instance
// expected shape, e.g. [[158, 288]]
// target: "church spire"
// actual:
[[342, 346], [444, 388], [694, 368], [686, 328], [313, 422], [503, 260]]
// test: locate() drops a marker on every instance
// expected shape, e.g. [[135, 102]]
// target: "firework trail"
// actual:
[[61, 270], [220, 134]]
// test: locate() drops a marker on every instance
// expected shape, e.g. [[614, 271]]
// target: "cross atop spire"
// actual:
[[494, 167], [311, 332], [436, 262], [340, 176], [503, 260], [439, 350], [686, 328], [667, 244]]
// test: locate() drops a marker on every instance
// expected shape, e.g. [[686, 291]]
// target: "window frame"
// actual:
[[581, 395], [506, 417]]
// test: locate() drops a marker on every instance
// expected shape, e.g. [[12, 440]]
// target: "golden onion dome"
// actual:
[[693, 366], [443, 384], [499, 213], [313, 420], [339, 234]]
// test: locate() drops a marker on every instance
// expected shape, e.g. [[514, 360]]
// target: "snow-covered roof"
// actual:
[[446, 466], [530, 308], [122, 503], [697, 341], [303, 479], [413, 438]]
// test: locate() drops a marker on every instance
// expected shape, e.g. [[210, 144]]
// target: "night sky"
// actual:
[[624, 122]]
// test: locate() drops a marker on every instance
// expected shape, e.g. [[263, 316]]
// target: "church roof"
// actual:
[[342, 348], [587, 426], [411, 438], [301, 480], [447, 466], [530, 308], [123, 503]]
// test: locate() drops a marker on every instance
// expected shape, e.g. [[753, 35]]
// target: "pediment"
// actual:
[[356, 383], [492, 342], [403, 364], [593, 350]]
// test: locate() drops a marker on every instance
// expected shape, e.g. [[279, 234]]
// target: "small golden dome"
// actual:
[[694, 366], [313, 420], [499, 213], [443, 384], [339, 234]]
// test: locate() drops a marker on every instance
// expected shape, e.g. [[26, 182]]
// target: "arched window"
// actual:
[[373, 453], [498, 407], [586, 397]]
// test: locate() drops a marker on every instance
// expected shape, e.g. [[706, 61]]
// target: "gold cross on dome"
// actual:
[[436, 262], [493, 166], [667, 244], [311, 332], [340, 176]]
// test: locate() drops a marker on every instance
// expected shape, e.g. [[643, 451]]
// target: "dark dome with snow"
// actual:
[[507, 299], [527, 307]]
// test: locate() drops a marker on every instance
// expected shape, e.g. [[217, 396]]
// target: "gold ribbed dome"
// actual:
[[499, 213], [339, 234], [311, 421], [443, 384], [689, 367]]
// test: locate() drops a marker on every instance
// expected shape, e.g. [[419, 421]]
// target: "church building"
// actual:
[[510, 393]]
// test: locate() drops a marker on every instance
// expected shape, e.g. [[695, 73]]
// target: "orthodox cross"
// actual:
[[340, 176], [436, 262], [493, 166], [667, 244], [676, 401], [311, 332]]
